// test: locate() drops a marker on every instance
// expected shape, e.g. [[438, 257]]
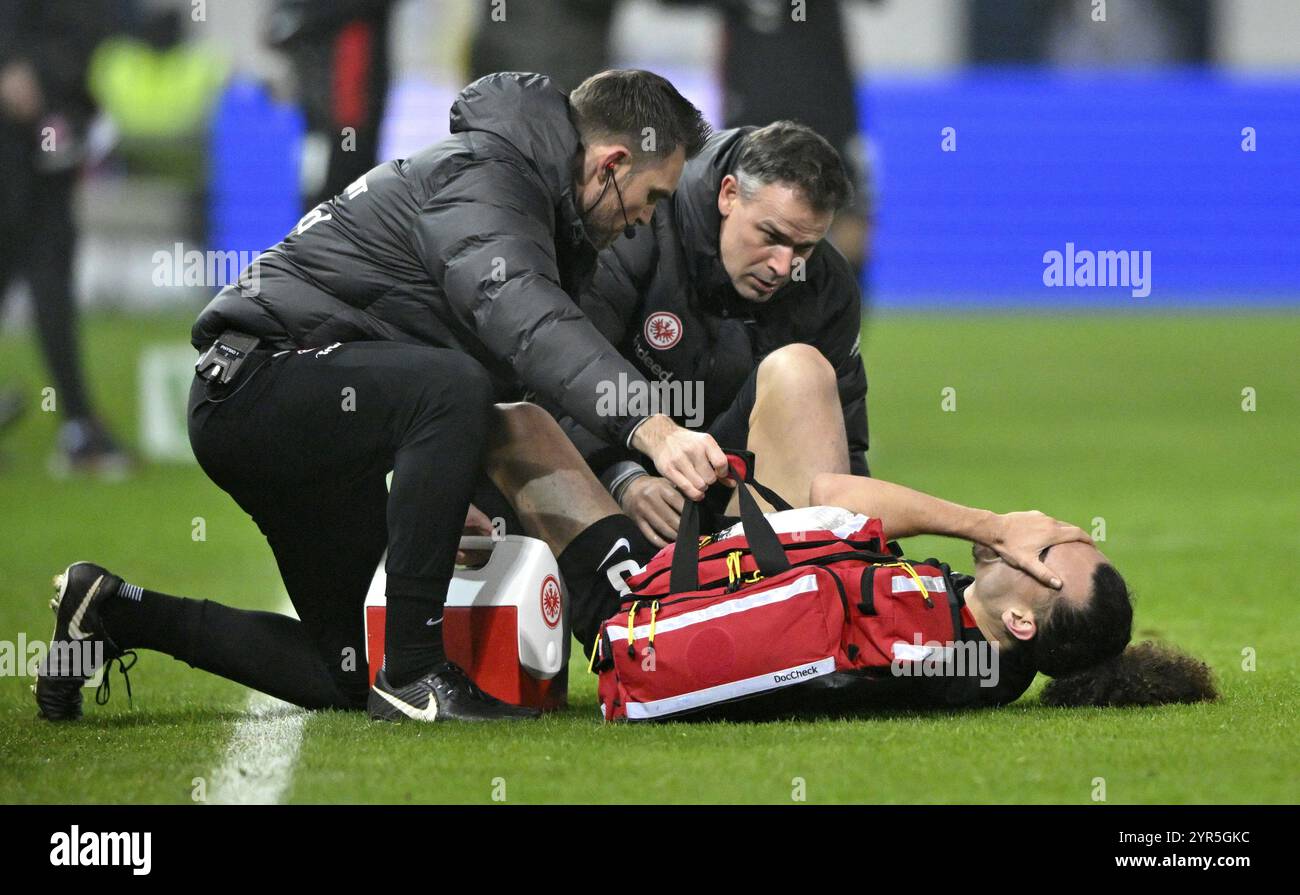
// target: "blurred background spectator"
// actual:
[[1153, 32], [506, 38], [779, 61], [339, 51], [45, 116]]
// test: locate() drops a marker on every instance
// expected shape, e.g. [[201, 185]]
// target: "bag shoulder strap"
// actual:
[[763, 541]]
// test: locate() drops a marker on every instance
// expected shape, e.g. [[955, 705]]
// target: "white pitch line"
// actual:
[[260, 758]]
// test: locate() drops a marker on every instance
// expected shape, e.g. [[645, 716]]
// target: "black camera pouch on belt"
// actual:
[[222, 361]]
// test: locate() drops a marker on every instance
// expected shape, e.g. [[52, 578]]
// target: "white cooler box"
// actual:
[[505, 623]]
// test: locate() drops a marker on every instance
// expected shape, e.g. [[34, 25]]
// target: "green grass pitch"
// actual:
[[1137, 419]]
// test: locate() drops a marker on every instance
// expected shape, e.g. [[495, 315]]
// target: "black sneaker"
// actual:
[[79, 646], [444, 694], [85, 447]]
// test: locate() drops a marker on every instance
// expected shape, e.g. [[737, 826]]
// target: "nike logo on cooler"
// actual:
[[430, 623], [428, 713], [621, 542]]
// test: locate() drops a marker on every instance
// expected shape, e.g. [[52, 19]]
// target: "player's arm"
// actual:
[[614, 301], [1018, 538], [483, 238]]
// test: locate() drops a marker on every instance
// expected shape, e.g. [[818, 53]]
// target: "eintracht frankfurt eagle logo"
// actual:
[[551, 601], [663, 330]]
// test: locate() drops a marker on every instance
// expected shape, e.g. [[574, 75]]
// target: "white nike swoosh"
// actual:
[[428, 713], [621, 542], [74, 626], [430, 623]]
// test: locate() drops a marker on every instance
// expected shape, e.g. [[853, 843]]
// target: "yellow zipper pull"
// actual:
[[925, 594], [631, 629], [733, 569], [600, 642], [907, 567]]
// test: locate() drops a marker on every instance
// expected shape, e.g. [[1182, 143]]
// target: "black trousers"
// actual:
[[38, 239], [303, 441]]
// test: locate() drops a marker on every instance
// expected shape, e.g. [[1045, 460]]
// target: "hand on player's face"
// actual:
[[1006, 589], [1020, 539], [763, 238]]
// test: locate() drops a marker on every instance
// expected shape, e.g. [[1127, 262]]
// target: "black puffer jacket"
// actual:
[[673, 266], [474, 244]]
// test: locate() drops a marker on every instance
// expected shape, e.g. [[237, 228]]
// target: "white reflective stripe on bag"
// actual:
[[803, 585], [904, 584], [639, 711]]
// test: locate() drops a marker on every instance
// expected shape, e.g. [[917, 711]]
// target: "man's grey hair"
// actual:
[[793, 154]]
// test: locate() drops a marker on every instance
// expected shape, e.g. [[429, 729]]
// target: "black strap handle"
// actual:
[[742, 469], [763, 541]]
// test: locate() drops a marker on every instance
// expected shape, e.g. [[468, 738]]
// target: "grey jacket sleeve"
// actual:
[[611, 301], [485, 237]]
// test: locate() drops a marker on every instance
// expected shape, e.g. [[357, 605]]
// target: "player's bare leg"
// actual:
[[796, 429], [543, 476], [559, 501]]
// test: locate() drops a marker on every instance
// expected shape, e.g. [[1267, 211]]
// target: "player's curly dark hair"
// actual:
[[1144, 674], [1084, 648]]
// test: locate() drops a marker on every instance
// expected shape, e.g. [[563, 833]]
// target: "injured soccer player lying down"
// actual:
[[1042, 594]]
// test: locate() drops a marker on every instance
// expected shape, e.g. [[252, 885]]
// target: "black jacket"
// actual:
[[673, 266], [473, 244]]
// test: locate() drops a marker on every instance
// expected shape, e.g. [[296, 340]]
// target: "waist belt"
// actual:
[[227, 354]]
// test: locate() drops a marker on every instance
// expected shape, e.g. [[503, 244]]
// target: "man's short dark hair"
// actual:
[[795, 155], [621, 104]]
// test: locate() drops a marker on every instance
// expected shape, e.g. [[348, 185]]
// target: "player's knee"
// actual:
[[796, 368], [822, 491], [525, 422]]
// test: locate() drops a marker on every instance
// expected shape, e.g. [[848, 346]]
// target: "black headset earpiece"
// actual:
[[628, 230]]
